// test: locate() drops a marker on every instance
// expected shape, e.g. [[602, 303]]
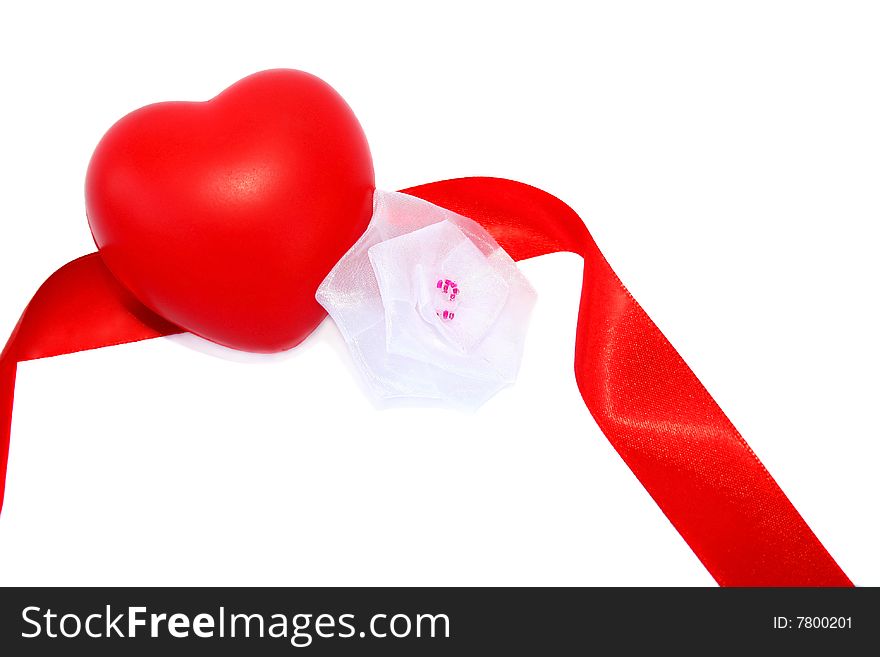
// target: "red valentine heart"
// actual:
[[224, 216]]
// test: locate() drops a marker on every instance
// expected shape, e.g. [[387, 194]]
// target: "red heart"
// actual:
[[224, 216]]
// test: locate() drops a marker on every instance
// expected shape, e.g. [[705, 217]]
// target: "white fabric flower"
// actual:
[[429, 304]]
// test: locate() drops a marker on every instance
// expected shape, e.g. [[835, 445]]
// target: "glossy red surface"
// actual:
[[224, 216]]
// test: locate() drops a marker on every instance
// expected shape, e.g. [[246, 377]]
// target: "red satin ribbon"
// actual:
[[647, 401]]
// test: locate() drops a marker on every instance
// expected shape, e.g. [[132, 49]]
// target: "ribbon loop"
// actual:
[[644, 397]]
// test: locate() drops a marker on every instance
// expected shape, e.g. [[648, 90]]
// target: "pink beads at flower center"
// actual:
[[449, 292]]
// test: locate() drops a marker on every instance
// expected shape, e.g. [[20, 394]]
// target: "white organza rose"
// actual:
[[429, 304]]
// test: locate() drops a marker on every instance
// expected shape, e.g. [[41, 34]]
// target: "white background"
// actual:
[[725, 157]]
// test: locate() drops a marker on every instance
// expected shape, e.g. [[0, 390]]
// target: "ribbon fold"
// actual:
[[645, 399]]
